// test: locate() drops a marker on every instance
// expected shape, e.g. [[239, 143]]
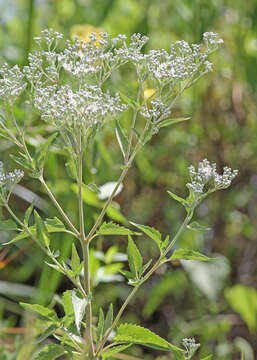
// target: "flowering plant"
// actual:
[[70, 86]]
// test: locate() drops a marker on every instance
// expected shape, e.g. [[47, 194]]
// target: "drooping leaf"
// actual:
[[134, 257], [114, 350], [109, 319], [243, 300], [79, 305], [122, 139], [111, 228], [43, 311], [168, 122], [41, 230], [134, 334], [100, 326], [7, 225], [184, 254], [197, 227], [151, 232], [50, 352], [42, 153]]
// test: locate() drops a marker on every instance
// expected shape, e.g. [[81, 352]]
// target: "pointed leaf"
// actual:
[[75, 260], [114, 350], [197, 227], [109, 319], [21, 161], [50, 352], [151, 232], [46, 333], [122, 139], [7, 225], [28, 214], [67, 302], [207, 357], [168, 122], [138, 335], [179, 199], [43, 150], [111, 228], [100, 326], [184, 254], [145, 267], [43, 311], [134, 257], [41, 230], [79, 305]]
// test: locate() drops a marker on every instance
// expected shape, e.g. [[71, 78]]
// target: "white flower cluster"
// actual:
[[12, 83], [207, 174], [10, 178], [191, 346], [212, 40], [84, 108]]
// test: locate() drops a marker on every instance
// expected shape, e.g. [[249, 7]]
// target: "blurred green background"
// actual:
[[216, 303]]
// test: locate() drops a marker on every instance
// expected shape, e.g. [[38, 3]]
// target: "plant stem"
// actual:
[[59, 208], [85, 251], [147, 275]]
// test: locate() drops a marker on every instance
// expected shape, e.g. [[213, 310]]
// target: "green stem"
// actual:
[[147, 275], [85, 251]]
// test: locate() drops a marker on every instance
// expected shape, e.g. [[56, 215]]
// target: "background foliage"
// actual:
[[215, 302]]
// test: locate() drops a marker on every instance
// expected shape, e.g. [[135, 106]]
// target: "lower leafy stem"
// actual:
[[158, 263]]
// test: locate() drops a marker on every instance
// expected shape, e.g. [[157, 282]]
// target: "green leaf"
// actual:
[[243, 300], [100, 326], [46, 333], [117, 349], [135, 334], [125, 98], [50, 352], [79, 305], [22, 161], [41, 230], [28, 214], [42, 153], [179, 199], [75, 261], [7, 225], [122, 139], [109, 319], [168, 122], [134, 257], [197, 227], [145, 267], [184, 254], [207, 357], [43, 311], [151, 232], [111, 228], [67, 302]]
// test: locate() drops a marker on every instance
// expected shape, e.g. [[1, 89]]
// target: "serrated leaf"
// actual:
[[109, 319], [169, 122], [117, 349], [100, 326], [75, 261], [50, 352], [179, 199], [43, 311], [41, 230], [46, 333], [122, 139], [197, 227], [28, 214], [79, 306], [42, 153], [7, 225], [184, 254], [111, 228], [134, 257], [151, 232], [135, 334]]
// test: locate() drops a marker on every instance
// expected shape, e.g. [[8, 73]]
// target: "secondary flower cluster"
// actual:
[[206, 174], [12, 83], [191, 346], [11, 178]]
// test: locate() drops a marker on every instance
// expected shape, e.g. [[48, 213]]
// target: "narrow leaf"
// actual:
[[109, 319], [111, 228], [41, 230], [117, 349], [79, 306], [7, 225], [183, 254], [100, 326], [207, 357], [75, 260], [197, 227], [151, 232], [46, 333], [168, 122], [28, 214], [50, 352], [179, 199], [134, 257], [122, 139], [67, 302], [42, 153], [43, 311]]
